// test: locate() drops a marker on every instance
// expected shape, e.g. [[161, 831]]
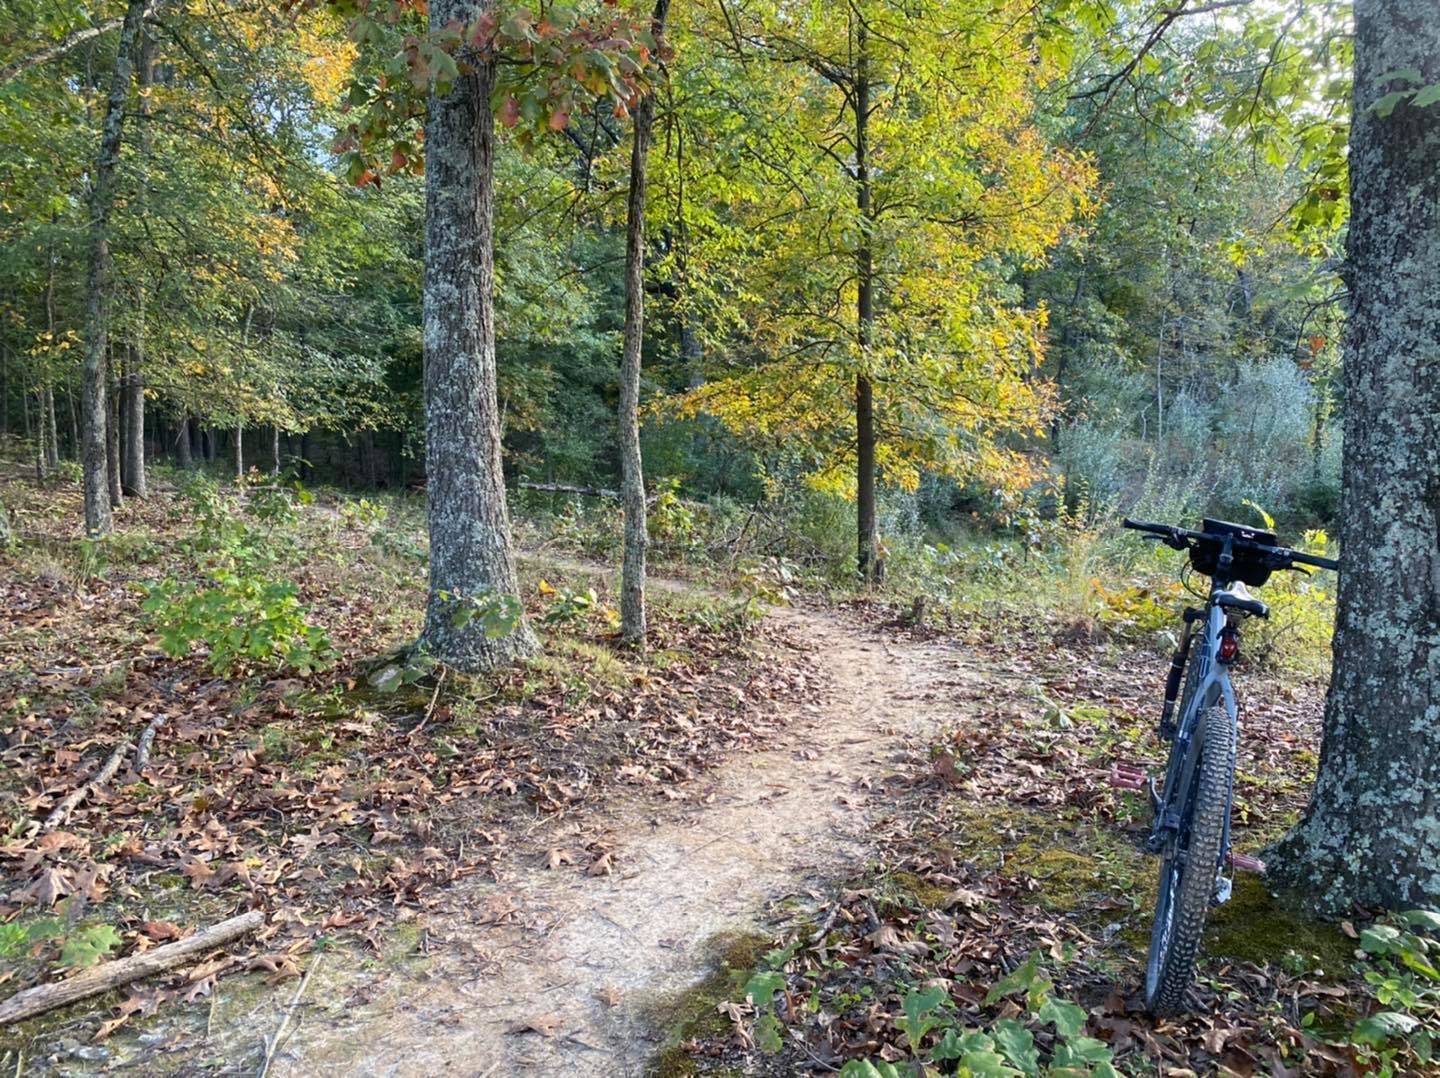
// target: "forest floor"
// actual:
[[579, 867]]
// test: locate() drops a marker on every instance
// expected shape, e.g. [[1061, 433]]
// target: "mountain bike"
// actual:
[[1191, 830]]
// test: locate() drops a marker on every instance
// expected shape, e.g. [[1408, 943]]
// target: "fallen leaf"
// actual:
[[544, 1024]]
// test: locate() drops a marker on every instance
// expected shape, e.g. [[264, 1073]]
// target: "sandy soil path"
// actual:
[[543, 946]]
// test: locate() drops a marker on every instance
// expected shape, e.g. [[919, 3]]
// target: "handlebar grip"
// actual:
[[1332, 564]]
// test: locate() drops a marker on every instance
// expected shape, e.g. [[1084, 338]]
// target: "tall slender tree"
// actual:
[[98, 521], [632, 469], [1371, 834]]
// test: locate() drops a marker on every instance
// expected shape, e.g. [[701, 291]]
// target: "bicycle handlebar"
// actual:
[[1276, 557]]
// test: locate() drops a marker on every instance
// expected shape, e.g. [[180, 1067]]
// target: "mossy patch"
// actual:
[[694, 1013], [907, 891], [1257, 926]]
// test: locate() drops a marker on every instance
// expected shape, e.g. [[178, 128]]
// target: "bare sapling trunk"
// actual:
[[41, 457], [867, 528], [112, 445], [134, 449], [133, 465], [52, 430], [275, 450], [472, 620], [1371, 834], [632, 467], [183, 455], [239, 451], [98, 521]]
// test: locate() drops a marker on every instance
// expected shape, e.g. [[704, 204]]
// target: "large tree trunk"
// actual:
[[868, 552], [1371, 835], [102, 196], [632, 468], [470, 557]]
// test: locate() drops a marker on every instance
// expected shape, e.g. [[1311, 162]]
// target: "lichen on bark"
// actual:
[[470, 544], [1371, 835]]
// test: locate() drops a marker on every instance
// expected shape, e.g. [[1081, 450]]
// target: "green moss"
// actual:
[[694, 1013], [1257, 926], [907, 891]]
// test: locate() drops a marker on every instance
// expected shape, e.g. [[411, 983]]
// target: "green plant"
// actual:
[[240, 618], [1402, 976], [1005, 1049], [363, 514], [80, 946]]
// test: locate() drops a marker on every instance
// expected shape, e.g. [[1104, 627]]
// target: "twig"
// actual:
[[147, 739], [274, 1042], [62, 811], [434, 697], [102, 978]]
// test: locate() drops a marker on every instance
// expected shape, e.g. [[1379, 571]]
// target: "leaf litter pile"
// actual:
[[1006, 861], [334, 808]]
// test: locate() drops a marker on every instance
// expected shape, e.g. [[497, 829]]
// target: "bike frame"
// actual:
[[1212, 684]]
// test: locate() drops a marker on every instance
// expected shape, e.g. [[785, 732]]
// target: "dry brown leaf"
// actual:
[[547, 1025], [610, 996]]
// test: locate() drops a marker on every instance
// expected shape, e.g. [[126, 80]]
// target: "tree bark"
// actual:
[[183, 456], [133, 466], [112, 442], [7, 536], [98, 521], [134, 457], [239, 451], [1371, 835], [868, 552], [470, 552], [275, 450], [632, 467], [52, 430]]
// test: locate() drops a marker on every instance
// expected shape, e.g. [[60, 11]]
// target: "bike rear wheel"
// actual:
[[1189, 868]]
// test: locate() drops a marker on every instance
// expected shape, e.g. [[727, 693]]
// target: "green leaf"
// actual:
[[863, 1068], [767, 1034], [1387, 104], [1380, 1027], [1017, 980], [1018, 1044], [918, 1020], [1427, 96], [761, 988], [87, 946], [1067, 1017]]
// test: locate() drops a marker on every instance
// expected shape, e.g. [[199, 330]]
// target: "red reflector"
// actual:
[[1229, 647]]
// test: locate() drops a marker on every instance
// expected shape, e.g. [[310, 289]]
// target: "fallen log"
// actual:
[[91, 982], [567, 488]]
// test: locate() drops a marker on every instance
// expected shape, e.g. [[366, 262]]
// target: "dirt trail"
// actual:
[[539, 945]]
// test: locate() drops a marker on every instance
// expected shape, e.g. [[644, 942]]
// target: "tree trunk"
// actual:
[[632, 469], [134, 454], [7, 536], [112, 442], [470, 556], [208, 436], [183, 456], [275, 450], [52, 430], [74, 447], [868, 553], [239, 451], [98, 520], [133, 471], [41, 457], [1369, 836]]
